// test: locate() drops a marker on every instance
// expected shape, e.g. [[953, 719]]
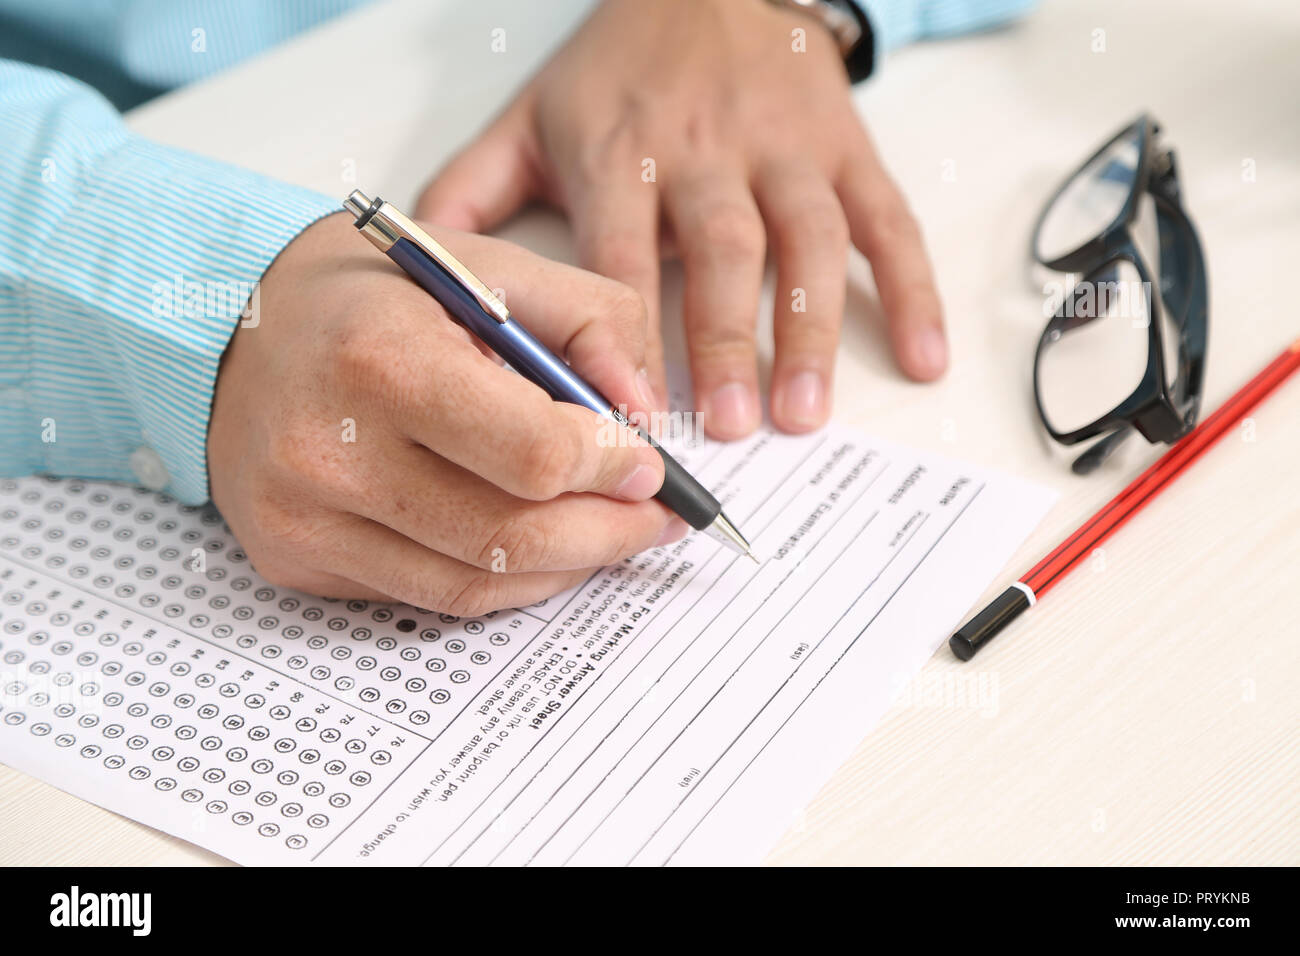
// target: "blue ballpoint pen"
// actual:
[[473, 305]]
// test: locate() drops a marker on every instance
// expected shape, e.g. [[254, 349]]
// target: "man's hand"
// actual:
[[363, 445], [719, 120]]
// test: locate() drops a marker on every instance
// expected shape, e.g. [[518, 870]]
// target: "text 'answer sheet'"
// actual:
[[681, 707]]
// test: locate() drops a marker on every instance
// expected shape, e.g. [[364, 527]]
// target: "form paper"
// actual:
[[680, 707]]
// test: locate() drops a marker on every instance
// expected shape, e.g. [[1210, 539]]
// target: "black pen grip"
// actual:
[[682, 494]]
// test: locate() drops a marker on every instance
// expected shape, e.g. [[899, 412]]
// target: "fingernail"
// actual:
[[674, 530], [643, 482], [730, 410], [931, 351], [803, 400], [645, 391]]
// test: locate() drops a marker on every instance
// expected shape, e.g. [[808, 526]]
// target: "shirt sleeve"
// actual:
[[125, 266], [160, 43], [895, 23]]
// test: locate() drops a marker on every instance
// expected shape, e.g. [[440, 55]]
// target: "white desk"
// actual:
[[1147, 711]]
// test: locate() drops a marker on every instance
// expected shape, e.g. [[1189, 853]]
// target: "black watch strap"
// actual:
[[860, 60]]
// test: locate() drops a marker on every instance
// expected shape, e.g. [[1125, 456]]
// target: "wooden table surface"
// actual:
[[1146, 712]]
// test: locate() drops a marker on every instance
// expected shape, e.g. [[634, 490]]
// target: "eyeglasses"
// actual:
[[1121, 352]]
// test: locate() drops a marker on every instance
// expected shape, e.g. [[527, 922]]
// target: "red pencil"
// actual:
[[1022, 595]]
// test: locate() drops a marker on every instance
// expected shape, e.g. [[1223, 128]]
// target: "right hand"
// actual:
[[466, 488]]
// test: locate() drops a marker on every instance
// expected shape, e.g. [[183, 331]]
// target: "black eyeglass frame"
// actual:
[[1157, 410]]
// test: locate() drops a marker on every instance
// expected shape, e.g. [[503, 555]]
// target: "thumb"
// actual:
[[489, 179]]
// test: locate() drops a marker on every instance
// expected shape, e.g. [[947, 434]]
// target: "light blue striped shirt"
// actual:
[[896, 22], [125, 266]]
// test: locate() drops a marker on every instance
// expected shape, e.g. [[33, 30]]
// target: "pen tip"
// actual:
[[752, 558]]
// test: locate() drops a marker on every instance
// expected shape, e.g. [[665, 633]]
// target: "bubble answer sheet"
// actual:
[[680, 707]]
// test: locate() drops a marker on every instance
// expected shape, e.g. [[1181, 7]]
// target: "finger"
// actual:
[[884, 229], [615, 222], [596, 324], [490, 178], [720, 234], [446, 509], [810, 237], [327, 585], [444, 394], [384, 561]]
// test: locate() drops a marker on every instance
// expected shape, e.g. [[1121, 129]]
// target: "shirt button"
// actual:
[[148, 468]]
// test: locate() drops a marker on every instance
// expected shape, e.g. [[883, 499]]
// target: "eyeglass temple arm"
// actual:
[[1091, 459], [1164, 177]]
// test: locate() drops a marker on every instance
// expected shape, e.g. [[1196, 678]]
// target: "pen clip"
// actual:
[[383, 224]]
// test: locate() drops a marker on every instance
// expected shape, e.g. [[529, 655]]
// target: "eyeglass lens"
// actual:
[[1092, 200], [1096, 354]]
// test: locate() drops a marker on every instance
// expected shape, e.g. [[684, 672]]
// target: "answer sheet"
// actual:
[[681, 707]]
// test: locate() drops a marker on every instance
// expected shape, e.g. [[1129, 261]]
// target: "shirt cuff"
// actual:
[[895, 23], [132, 300]]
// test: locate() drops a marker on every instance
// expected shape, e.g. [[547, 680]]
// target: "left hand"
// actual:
[[750, 140]]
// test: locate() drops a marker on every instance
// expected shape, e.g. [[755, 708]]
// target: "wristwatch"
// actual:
[[848, 23]]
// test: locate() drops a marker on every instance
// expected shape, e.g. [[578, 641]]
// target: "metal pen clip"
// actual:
[[384, 224]]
